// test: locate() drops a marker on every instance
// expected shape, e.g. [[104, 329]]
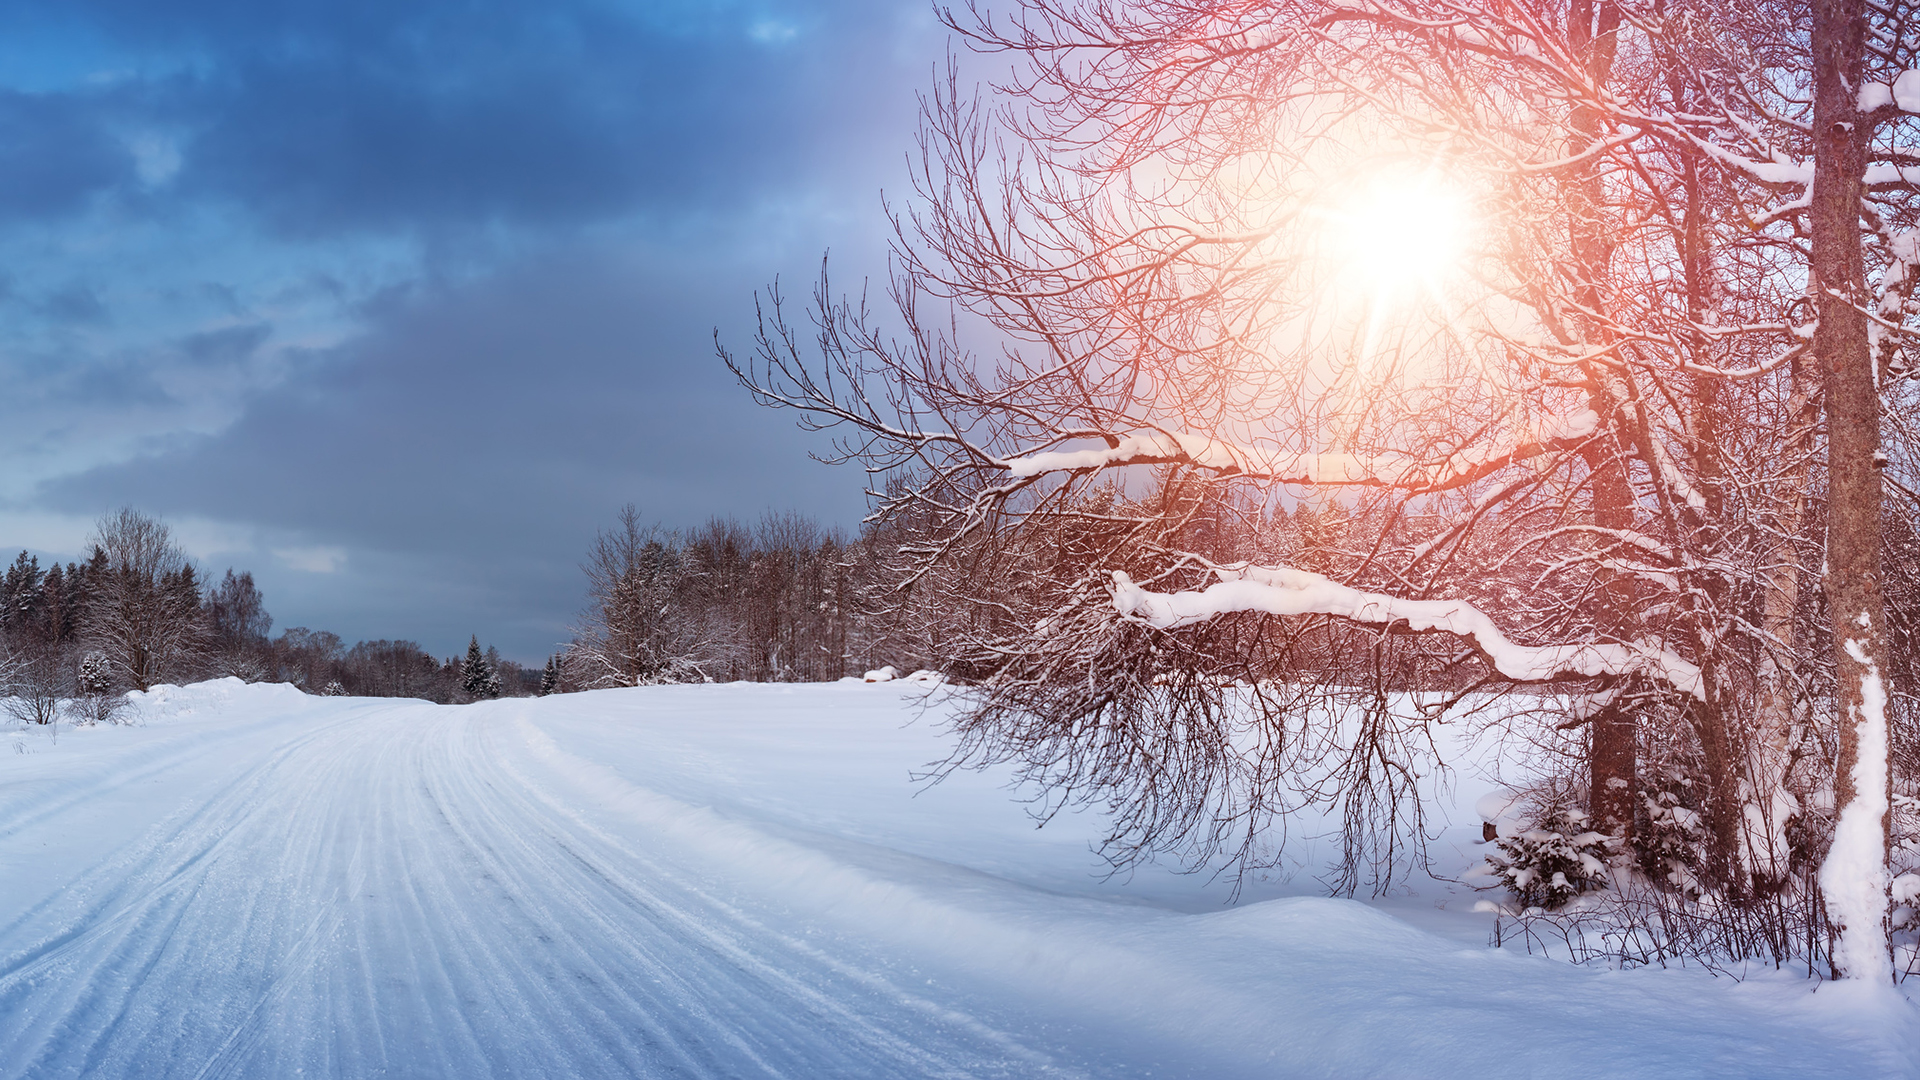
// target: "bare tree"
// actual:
[[1568, 309], [785, 601], [309, 659], [143, 609], [393, 669], [237, 625], [32, 676], [629, 635]]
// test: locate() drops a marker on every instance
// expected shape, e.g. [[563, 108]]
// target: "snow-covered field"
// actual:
[[741, 881]]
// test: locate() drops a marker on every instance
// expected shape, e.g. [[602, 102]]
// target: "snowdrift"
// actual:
[[744, 881]]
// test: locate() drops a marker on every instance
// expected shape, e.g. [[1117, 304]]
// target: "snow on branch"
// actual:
[[1776, 171], [1903, 93], [1283, 590], [1391, 469], [1790, 173], [1148, 448]]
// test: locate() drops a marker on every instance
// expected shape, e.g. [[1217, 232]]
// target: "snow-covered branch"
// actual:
[[1283, 590], [1388, 469]]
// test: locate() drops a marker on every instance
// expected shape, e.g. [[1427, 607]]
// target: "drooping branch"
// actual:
[[1404, 471], [1284, 590]]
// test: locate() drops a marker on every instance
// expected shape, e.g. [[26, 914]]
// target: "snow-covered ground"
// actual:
[[741, 881]]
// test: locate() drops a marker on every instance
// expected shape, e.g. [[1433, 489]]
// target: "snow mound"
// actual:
[[743, 880]]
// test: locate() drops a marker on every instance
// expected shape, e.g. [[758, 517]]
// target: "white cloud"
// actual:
[[773, 32], [313, 560], [204, 538], [55, 535], [156, 158]]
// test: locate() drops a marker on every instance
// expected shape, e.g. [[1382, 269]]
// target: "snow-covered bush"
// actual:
[[1551, 863], [246, 668], [96, 674], [1671, 844], [97, 702], [333, 689]]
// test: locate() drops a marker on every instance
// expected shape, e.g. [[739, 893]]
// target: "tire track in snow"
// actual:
[[1014, 1056], [150, 876], [228, 1056], [379, 894], [176, 937], [689, 930]]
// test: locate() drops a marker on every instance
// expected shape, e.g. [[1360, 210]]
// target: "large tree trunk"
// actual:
[[1613, 740], [1593, 31], [1854, 878]]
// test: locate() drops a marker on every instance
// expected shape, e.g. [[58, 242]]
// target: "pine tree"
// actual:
[[496, 673], [550, 678], [477, 676], [96, 674], [97, 702], [20, 592], [62, 594]]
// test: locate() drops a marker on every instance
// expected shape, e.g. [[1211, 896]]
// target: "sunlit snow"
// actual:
[[742, 881]]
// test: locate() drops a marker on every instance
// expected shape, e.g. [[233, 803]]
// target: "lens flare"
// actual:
[[1395, 245], [1396, 237]]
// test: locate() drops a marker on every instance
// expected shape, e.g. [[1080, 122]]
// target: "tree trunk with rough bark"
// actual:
[[1593, 31], [1854, 878]]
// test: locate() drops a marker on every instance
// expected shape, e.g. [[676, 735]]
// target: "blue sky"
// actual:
[[395, 304]]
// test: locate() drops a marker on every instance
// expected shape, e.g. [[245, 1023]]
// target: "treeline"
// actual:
[[137, 613], [784, 601], [788, 600]]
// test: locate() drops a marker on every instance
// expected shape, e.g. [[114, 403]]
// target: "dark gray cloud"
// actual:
[[76, 302], [494, 427], [575, 377], [576, 192], [225, 346], [330, 141], [407, 116]]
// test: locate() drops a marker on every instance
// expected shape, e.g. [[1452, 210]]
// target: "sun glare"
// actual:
[[1396, 235], [1395, 246]]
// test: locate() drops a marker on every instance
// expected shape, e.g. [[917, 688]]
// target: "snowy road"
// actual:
[[727, 882]]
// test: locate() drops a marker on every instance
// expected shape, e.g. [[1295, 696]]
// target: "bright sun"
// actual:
[[1396, 246], [1398, 234]]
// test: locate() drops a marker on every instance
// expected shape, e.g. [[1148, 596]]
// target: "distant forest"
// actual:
[[783, 600], [137, 612]]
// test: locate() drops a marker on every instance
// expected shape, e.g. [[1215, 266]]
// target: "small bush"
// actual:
[[1672, 841], [97, 702], [1550, 864], [34, 688]]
